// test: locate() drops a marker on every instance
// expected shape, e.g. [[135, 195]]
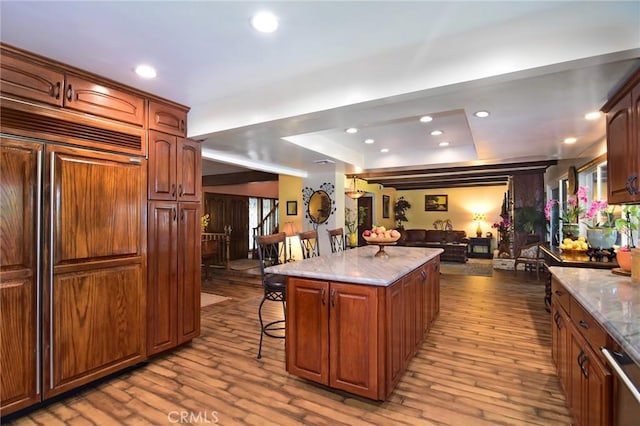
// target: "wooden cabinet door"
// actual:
[[31, 81], [395, 362], [95, 298], [162, 276], [425, 273], [620, 151], [409, 310], [353, 339], [559, 350], [597, 409], [87, 96], [162, 166], [434, 284], [189, 278], [19, 319], [167, 118], [189, 170], [307, 331]]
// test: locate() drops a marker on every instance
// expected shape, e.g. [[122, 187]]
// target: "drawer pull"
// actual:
[[559, 293], [583, 324], [322, 296]]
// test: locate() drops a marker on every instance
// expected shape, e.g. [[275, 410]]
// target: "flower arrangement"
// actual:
[[443, 225], [350, 220], [503, 226], [577, 211], [204, 222]]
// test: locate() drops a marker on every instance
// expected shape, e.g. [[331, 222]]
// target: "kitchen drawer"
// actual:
[[560, 295], [593, 333]]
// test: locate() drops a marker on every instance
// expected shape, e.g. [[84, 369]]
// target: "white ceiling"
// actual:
[[278, 102]]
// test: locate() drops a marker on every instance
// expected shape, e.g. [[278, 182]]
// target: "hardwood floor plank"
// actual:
[[486, 361]]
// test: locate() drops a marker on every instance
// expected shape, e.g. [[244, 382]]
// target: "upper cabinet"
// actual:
[[167, 118], [33, 81], [174, 168], [623, 143]]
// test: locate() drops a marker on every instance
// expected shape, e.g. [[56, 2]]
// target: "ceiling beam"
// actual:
[[238, 178]]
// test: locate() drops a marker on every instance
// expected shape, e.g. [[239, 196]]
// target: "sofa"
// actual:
[[454, 243]]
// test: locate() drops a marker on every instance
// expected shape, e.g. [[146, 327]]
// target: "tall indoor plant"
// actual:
[[400, 210]]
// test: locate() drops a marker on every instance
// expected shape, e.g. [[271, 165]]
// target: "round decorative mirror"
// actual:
[[319, 207]]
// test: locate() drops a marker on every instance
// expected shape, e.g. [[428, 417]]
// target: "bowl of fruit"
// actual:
[[576, 246], [380, 236]]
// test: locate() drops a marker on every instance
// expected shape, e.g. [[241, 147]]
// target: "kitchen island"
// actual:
[[354, 321]]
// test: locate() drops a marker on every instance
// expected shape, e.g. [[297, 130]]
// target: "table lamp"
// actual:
[[479, 217], [291, 231]]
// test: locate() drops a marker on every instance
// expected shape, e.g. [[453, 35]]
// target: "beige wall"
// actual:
[[463, 202]]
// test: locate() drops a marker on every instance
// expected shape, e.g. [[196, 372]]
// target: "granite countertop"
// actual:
[[613, 300], [359, 265]]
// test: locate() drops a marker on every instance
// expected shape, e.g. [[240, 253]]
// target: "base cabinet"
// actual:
[[586, 380], [173, 290], [354, 337]]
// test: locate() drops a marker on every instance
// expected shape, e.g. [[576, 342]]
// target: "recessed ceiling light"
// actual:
[[444, 143], [369, 141], [570, 140], [426, 119], [481, 114], [383, 150], [146, 71], [592, 115], [351, 130], [265, 22], [436, 133]]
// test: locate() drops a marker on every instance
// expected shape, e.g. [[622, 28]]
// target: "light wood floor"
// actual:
[[486, 362]]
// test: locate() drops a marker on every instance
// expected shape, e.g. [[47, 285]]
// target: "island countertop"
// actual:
[[612, 300], [359, 266]]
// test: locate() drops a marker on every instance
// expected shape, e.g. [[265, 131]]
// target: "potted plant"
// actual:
[[400, 210], [626, 224], [352, 222]]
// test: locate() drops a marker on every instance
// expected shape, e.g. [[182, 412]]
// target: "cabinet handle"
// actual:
[[333, 298], [55, 90], [556, 316], [173, 189], [633, 188], [583, 324], [182, 125], [70, 93], [558, 293], [584, 371], [180, 190], [322, 296], [175, 214], [424, 275], [182, 215]]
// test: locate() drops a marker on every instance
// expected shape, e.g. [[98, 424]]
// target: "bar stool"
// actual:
[[309, 244], [336, 239], [272, 251]]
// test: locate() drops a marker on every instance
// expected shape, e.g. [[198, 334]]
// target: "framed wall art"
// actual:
[[436, 203], [292, 208], [385, 206]]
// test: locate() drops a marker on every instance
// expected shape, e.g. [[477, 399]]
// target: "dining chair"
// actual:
[[309, 244], [272, 251], [336, 240]]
